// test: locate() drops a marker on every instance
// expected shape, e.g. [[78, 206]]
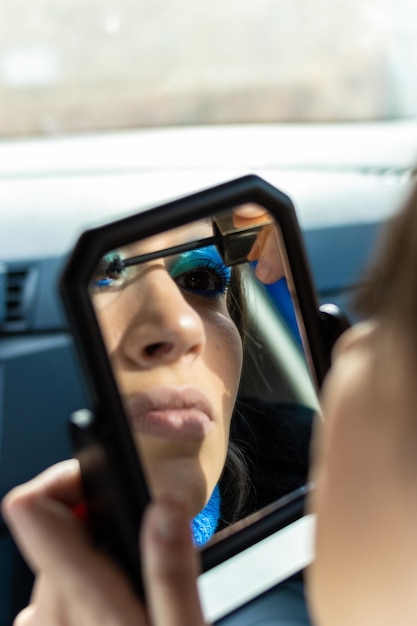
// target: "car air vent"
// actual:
[[18, 293], [15, 289]]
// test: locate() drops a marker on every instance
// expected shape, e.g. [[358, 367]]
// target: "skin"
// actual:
[[266, 249], [76, 585], [365, 470], [159, 334]]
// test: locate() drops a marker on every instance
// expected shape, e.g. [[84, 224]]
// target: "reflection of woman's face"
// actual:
[[177, 358]]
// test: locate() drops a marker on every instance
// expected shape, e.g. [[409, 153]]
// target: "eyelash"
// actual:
[[110, 264], [215, 272]]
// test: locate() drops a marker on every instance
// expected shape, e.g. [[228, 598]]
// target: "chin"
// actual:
[[183, 477]]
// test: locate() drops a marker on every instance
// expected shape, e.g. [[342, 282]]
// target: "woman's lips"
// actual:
[[176, 413]]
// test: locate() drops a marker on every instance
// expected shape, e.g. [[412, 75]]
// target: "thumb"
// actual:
[[170, 565]]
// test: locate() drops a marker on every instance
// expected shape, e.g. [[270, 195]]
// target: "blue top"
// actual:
[[205, 523]]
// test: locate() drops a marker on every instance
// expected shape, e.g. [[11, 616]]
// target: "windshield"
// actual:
[[86, 65]]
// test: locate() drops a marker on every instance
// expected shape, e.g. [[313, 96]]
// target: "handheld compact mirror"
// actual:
[[203, 348]]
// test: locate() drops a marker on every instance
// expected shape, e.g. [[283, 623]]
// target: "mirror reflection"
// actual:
[[201, 326]]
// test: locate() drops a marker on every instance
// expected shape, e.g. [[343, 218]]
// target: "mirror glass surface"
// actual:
[[208, 351]]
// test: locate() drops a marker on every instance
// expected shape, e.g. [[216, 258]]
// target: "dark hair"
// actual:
[[390, 287], [234, 484], [236, 304], [234, 481]]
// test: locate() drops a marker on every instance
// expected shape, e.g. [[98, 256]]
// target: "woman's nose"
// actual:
[[165, 328]]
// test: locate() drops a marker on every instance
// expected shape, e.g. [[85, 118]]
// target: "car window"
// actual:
[[82, 65]]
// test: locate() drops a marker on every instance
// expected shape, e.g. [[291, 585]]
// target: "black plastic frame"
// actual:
[[110, 427]]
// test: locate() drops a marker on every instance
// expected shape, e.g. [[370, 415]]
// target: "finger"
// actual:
[[266, 251], [38, 512], [249, 215], [78, 584], [60, 482], [170, 566], [39, 612], [250, 211], [27, 617]]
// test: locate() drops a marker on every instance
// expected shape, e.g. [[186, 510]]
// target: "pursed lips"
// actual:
[[176, 413]]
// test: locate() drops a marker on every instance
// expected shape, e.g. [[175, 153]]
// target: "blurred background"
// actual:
[[83, 65]]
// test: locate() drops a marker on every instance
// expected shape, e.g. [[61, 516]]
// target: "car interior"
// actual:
[[62, 172]]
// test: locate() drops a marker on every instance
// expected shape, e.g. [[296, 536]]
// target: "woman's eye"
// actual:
[[109, 272], [201, 272], [203, 281]]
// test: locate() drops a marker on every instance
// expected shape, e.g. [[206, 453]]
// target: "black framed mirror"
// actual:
[[200, 336]]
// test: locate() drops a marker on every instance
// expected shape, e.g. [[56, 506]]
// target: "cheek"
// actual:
[[114, 317], [226, 352], [111, 324]]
